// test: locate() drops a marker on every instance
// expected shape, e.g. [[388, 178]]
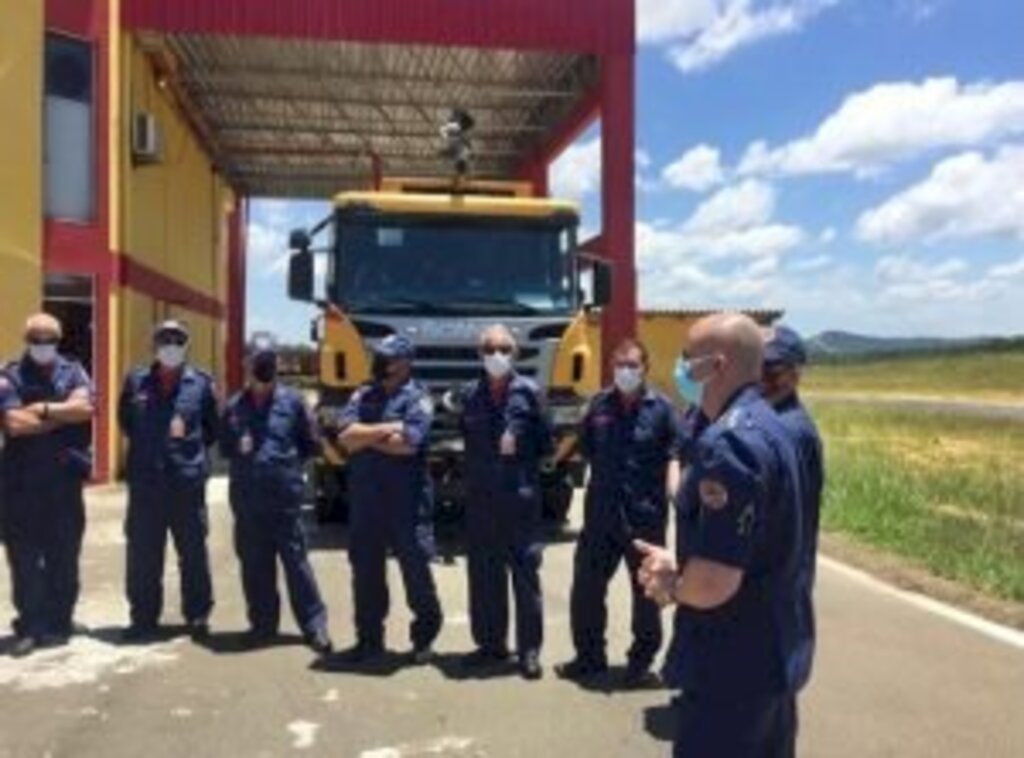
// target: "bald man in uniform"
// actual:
[[743, 639]]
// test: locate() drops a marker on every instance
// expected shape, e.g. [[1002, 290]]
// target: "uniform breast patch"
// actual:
[[713, 494]]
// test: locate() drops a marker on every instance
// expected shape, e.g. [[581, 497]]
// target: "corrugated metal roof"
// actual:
[[311, 117]]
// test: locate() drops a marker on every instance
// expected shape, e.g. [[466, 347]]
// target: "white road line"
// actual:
[[988, 628]]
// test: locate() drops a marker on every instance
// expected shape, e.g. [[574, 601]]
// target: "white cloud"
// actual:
[[698, 169], [964, 196], [1009, 270], [740, 23], [664, 20], [702, 33], [740, 206], [810, 265], [890, 122], [577, 172]]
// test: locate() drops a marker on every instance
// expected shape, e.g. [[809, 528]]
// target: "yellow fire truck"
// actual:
[[438, 261]]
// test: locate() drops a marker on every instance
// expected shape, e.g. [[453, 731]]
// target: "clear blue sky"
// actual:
[[859, 163]]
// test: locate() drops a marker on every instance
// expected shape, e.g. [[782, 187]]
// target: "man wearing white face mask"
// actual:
[[506, 434], [169, 413], [628, 437], [46, 402]]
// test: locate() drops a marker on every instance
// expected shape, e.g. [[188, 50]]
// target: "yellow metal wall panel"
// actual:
[[173, 209], [21, 167]]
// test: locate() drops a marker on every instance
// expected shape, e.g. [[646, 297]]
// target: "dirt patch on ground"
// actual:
[[909, 576]]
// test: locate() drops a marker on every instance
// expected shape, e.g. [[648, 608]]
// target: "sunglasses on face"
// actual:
[[492, 349], [172, 339]]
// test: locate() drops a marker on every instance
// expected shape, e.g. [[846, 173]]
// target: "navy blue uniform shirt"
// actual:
[[268, 440], [518, 409], [375, 476], [168, 432], [741, 506], [66, 451], [629, 447]]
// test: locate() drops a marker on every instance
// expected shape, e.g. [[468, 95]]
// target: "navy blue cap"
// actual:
[[395, 346], [170, 326], [784, 346]]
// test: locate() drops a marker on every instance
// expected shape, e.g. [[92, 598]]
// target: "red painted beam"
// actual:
[[587, 26], [148, 281], [235, 353], [618, 195]]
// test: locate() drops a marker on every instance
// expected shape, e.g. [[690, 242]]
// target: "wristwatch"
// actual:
[[46, 411]]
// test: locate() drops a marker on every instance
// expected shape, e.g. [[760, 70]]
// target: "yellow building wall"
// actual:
[[21, 167], [173, 219]]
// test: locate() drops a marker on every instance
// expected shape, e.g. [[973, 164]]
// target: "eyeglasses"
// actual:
[[492, 349], [40, 340], [629, 364]]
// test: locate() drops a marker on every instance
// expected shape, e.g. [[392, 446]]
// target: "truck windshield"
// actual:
[[461, 267]]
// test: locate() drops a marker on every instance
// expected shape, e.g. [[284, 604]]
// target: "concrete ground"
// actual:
[[893, 678]]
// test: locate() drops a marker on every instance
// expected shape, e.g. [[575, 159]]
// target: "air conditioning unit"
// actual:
[[145, 138]]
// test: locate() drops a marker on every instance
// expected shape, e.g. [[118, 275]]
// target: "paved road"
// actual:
[[955, 407], [891, 680]]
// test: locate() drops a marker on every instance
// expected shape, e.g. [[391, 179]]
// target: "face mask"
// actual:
[[264, 369], [171, 356], [689, 388], [497, 365], [44, 354], [627, 379]]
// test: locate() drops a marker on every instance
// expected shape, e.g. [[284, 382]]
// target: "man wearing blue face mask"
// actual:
[[169, 412], [46, 402], [743, 642], [628, 436]]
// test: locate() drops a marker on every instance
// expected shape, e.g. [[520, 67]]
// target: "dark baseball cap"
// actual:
[[784, 347]]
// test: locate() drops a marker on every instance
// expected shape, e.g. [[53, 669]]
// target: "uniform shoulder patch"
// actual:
[[713, 494], [426, 405]]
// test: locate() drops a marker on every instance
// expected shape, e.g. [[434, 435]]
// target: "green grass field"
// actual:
[[945, 491], [991, 375]]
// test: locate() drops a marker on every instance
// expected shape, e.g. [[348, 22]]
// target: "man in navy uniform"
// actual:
[[169, 412], [267, 435], [743, 640], [629, 437], [384, 428], [506, 435], [784, 359], [46, 403]]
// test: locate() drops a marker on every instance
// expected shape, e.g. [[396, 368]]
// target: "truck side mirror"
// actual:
[[602, 284], [299, 240], [301, 276]]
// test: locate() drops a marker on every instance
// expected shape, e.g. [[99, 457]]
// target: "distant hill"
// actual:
[[839, 345]]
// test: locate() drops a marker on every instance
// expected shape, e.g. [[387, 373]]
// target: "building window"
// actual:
[[69, 149]]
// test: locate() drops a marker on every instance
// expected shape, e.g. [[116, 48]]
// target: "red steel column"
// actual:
[[618, 194], [237, 222]]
